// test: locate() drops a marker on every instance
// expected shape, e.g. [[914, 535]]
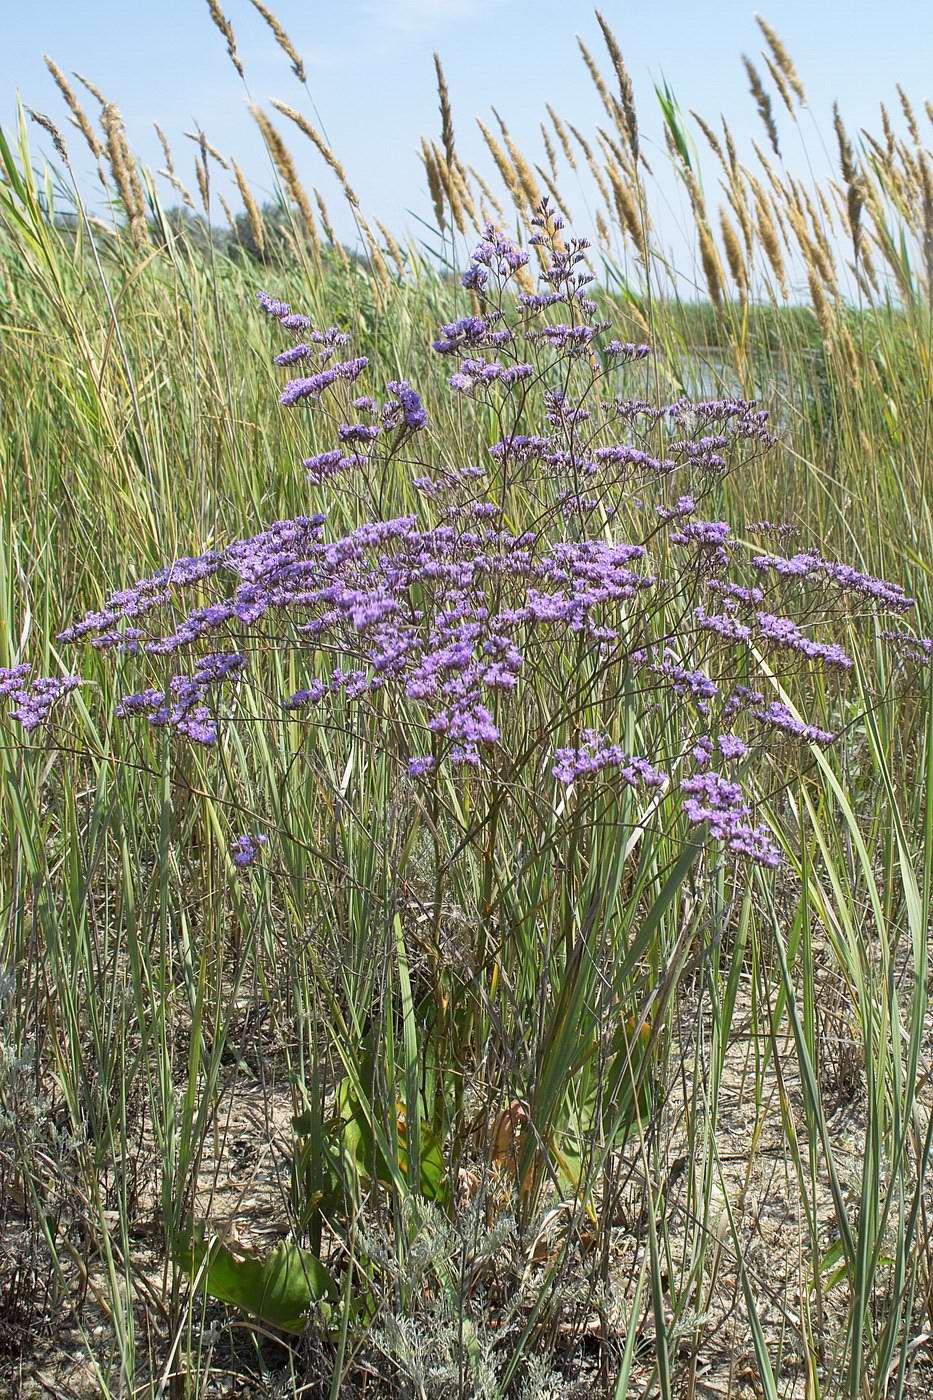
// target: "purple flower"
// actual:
[[245, 848], [413, 410]]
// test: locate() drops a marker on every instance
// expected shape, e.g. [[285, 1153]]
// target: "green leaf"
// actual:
[[278, 1289]]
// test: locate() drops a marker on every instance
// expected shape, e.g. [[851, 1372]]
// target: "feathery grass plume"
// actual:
[[315, 136], [257, 226], [735, 194], [226, 29], [166, 149], [285, 165], [450, 188], [549, 150], [504, 166], [783, 59], [282, 39], [123, 169], [206, 147], [767, 234], [608, 102], [711, 138], [376, 259], [910, 116], [487, 192], [179, 186], [927, 182], [812, 253], [820, 305], [734, 166], [554, 192], [733, 249], [523, 170], [602, 231], [626, 91], [562, 136], [458, 176], [819, 233], [855, 183], [228, 212], [435, 183], [763, 103], [90, 87], [58, 140], [888, 130], [78, 113], [777, 77], [329, 233], [709, 257], [200, 170], [627, 210], [447, 121], [392, 248]]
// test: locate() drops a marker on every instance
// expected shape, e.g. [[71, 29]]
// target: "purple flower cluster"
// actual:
[[245, 848], [810, 565], [541, 584], [716, 801], [596, 753], [31, 701]]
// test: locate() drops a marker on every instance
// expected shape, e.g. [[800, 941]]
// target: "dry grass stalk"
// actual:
[[735, 194], [394, 251], [626, 91], [315, 136], [598, 82], [450, 188], [927, 181], [562, 136], [200, 170], [487, 194], [447, 121], [526, 179], [328, 228], [503, 165], [206, 146], [733, 250], [777, 77], [909, 115], [285, 165], [763, 103], [177, 185], [123, 169], [549, 150], [554, 192], [627, 211], [855, 183], [768, 235], [166, 149], [282, 39], [228, 212], [458, 176], [888, 130], [92, 88], [81, 120], [783, 59], [254, 217], [226, 29], [435, 184], [602, 231], [711, 138], [58, 140]]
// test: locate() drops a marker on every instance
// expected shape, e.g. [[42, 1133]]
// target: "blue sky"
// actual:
[[371, 74]]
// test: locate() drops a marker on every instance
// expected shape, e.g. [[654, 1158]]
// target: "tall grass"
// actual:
[[331, 1048]]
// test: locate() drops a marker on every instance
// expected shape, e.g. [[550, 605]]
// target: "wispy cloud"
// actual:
[[419, 15]]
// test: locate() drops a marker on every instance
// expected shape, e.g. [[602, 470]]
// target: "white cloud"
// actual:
[[411, 15]]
